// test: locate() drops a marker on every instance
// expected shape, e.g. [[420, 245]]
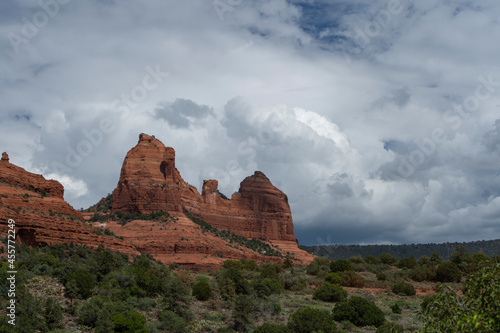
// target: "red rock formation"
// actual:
[[150, 182], [42, 216]]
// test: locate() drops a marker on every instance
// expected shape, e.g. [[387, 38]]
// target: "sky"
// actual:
[[379, 119]]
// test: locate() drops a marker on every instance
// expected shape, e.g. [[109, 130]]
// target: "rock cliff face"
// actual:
[[150, 182], [42, 216]]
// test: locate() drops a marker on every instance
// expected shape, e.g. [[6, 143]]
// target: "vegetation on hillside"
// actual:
[[73, 289]]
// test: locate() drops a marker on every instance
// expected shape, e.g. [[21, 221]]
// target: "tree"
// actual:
[[387, 258], [307, 320], [478, 310], [340, 265], [242, 313], [408, 262], [448, 272], [202, 290], [53, 314], [84, 282], [404, 288], [330, 293], [360, 312], [130, 322], [333, 278]]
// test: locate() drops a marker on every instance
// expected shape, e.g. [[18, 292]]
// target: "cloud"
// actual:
[[182, 112], [368, 115]]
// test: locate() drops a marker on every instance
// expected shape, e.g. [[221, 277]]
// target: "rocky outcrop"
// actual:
[[41, 215], [149, 182]]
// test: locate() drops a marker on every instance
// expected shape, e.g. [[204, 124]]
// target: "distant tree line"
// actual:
[[445, 250]]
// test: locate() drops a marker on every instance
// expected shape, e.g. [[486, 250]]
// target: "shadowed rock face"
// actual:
[[41, 215], [150, 182]]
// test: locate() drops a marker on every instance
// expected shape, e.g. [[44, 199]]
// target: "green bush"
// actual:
[[53, 314], [395, 308], [172, 322], [421, 273], [356, 260], [130, 322], [293, 281], [202, 290], [319, 266], [408, 262], [370, 259], [307, 320], [330, 293], [242, 313], [404, 288], [448, 272], [266, 287], [387, 258], [333, 278], [82, 285], [390, 328], [478, 310], [241, 285], [381, 276], [352, 279], [272, 328], [359, 311], [340, 265]]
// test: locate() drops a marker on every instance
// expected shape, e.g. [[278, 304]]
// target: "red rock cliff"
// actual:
[[42, 216], [150, 182]]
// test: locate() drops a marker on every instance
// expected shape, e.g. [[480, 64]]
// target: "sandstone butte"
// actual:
[[149, 182]]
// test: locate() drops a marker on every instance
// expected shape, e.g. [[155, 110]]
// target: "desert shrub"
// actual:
[[330, 293], [172, 322], [478, 310], [307, 320], [435, 257], [202, 290], [381, 276], [333, 278], [421, 273], [241, 285], [356, 260], [424, 260], [359, 311], [319, 266], [387, 258], [273, 328], [292, 281], [390, 327], [352, 279], [340, 265], [130, 322], [404, 288], [395, 308], [408, 262], [459, 257], [266, 287], [82, 285], [448, 272], [271, 271], [370, 259], [474, 261]]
